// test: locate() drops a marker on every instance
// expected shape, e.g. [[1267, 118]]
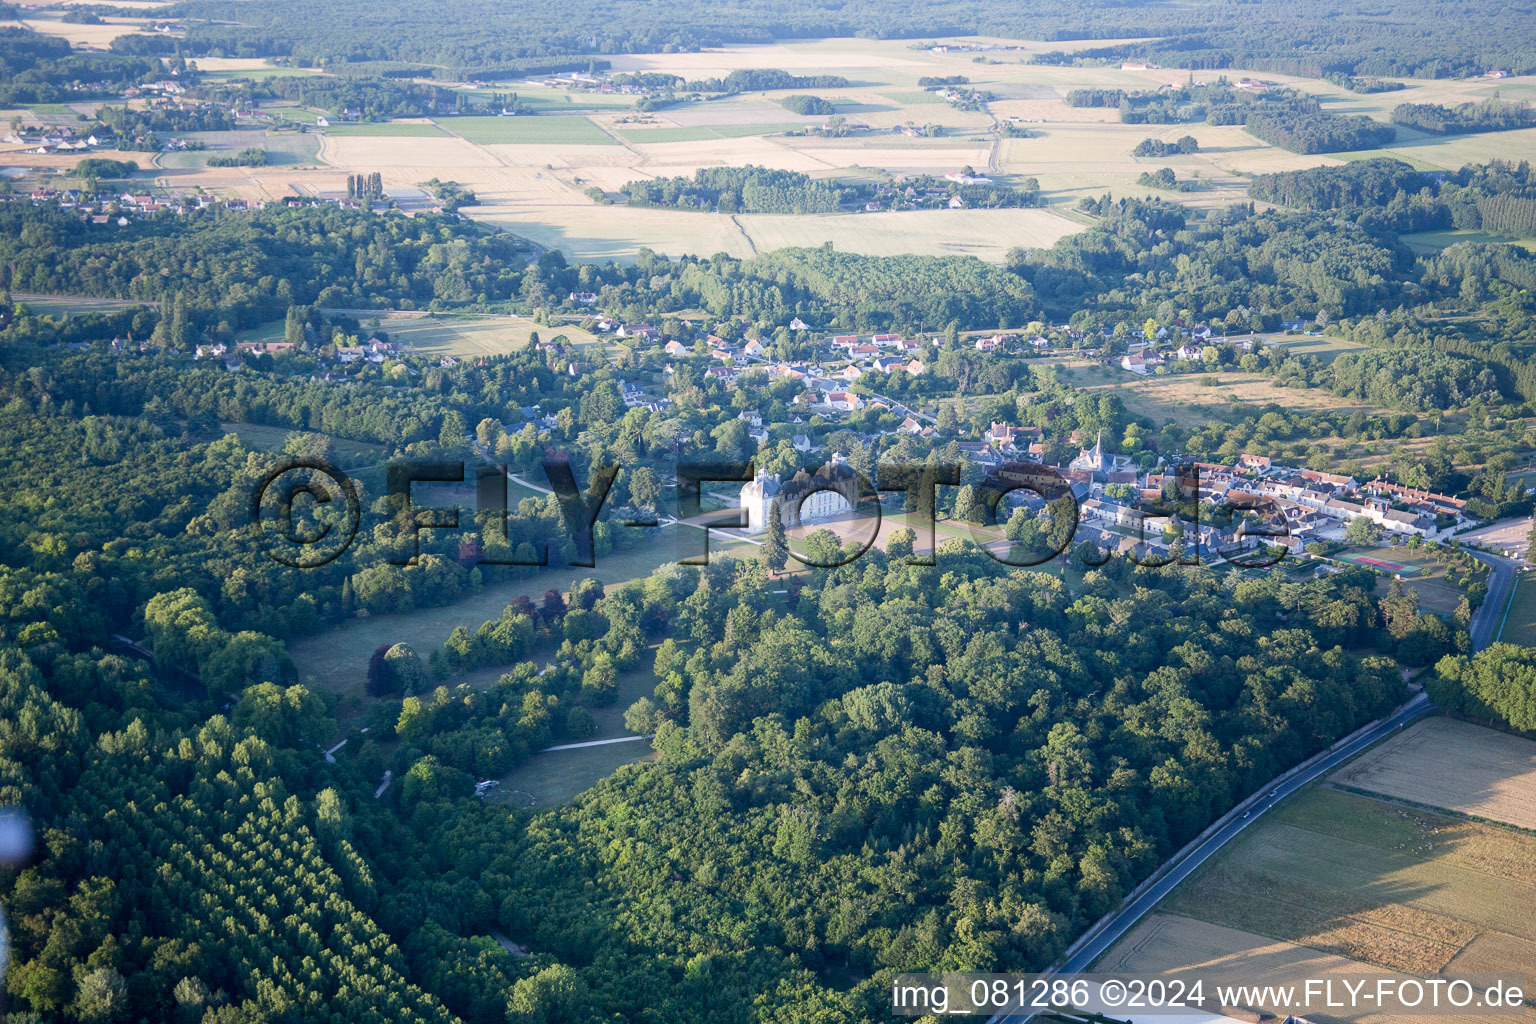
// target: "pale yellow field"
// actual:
[[537, 190], [590, 232], [464, 337], [1446, 763], [1165, 943], [382, 152], [664, 159], [93, 37], [988, 234]]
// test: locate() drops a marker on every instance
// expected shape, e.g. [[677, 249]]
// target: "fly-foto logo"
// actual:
[[306, 512]]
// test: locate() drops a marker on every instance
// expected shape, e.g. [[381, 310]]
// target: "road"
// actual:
[[595, 743], [1488, 619], [1135, 911]]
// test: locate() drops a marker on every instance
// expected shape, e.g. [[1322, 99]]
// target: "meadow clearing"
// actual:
[[347, 453], [1191, 399], [1437, 591], [1446, 763], [1333, 881], [336, 659]]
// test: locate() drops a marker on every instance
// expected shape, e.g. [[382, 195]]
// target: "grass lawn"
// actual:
[[387, 129], [1520, 622], [336, 659], [68, 305], [301, 115], [270, 439], [1319, 345], [548, 780], [548, 129], [1434, 241]]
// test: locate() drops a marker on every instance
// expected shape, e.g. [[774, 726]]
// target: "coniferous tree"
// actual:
[[775, 549]]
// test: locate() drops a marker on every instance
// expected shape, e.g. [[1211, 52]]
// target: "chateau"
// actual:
[[829, 492]]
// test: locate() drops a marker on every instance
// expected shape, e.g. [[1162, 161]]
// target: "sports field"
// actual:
[[1443, 762], [1330, 878], [1380, 564]]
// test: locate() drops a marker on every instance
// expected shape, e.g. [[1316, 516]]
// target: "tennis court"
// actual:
[[1381, 564]]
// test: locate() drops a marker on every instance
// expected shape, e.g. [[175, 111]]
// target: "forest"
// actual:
[[1437, 39], [1319, 133], [1487, 116], [858, 771], [741, 190], [864, 775]]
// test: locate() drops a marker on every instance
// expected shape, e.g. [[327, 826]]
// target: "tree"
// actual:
[[644, 489], [1362, 531], [775, 550], [968, 507]]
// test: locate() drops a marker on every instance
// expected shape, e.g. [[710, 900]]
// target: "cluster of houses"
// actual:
[[120, 209], [374, 350], [1145, 357], [1311, 505], [53, 138], [1294, 507]]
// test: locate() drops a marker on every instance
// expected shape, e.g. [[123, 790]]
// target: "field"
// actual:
[[1189, 400], [468, 337], [1076, 152], [1434, 241], [1420, 570], [545, 130], [1442, 762], [387, 129], [1165, 943], [72, 306], [531, 172], [1332, 881], [1520, 622], [556, 777]]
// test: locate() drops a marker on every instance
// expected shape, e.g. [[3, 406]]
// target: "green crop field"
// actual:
[[566, 130], [1520, 623]]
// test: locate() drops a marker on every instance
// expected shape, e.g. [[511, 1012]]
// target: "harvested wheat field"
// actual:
[[1446, 763], [1389, 885], [1165, 944]]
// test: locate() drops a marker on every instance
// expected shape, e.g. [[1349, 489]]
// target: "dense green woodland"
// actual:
[[1434, 39], [883, 768]]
